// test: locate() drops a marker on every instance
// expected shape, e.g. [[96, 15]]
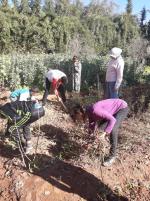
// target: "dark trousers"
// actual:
[[47, 90], [120, 116], [110, 90], [61, 90], [24, 124]]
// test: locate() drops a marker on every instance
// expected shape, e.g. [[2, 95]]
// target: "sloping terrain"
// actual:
[[67, 164]]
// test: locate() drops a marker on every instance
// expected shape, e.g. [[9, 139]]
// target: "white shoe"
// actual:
[[109, 161], [28, 147]]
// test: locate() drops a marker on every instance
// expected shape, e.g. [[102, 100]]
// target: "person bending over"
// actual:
[[20, 115], [24, 94], [56, 80], [112, 112]]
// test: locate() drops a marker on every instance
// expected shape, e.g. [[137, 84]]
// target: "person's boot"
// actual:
[[109, 161], [23, 141], [28, 147], [7, 134]]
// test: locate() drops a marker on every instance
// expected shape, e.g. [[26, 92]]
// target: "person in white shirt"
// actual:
[[114, 73], [56, 80]]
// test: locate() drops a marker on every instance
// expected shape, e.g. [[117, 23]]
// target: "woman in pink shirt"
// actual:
[[113, 111]]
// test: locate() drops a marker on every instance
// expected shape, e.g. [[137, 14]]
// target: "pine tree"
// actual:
[[4, 3], [36, 7], [129, 7], [143, 16], [148, 31], [16, 4], [62, 7], [24, 7], [49, 9], [143, 26]]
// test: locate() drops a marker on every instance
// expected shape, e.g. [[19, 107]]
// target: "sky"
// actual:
[[137, 6]]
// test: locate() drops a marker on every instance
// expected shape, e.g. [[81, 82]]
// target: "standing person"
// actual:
[[20, 115], [56, 80], [24, 94], [76, 74], [114, 73], [113, 111]]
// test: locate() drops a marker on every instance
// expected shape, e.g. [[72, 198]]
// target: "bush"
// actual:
[[18, 70]]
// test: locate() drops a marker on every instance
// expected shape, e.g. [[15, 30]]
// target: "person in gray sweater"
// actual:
[[114, 73]]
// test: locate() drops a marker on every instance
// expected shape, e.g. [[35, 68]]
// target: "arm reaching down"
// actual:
[[103, 114]]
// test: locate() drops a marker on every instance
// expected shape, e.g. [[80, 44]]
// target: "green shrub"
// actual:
[[18, 70]]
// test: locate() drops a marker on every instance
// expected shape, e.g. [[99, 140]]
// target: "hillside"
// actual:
[[67, 165]]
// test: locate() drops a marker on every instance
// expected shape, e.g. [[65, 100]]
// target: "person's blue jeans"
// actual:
[[110, 91]]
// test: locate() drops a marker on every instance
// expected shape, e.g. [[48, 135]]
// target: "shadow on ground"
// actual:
[[68, 178], [76, 180], [66, 146]]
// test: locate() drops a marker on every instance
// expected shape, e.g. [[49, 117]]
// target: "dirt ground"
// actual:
[[65, 166]]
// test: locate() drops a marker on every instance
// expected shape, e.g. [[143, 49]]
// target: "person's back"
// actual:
[[20, 94], [110, 105], [55, 80], [54, 74], [107, 115], [24, 94]]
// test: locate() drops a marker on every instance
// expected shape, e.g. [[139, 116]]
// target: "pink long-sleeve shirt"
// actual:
[[105, 109]]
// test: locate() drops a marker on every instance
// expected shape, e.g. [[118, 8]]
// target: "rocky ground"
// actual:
[[66, 166]]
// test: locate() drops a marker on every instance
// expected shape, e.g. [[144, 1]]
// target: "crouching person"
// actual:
[[20, 115], [24, 94], [113, 112]]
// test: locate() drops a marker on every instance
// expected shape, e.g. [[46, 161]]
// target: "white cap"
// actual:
[[115, 52]]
